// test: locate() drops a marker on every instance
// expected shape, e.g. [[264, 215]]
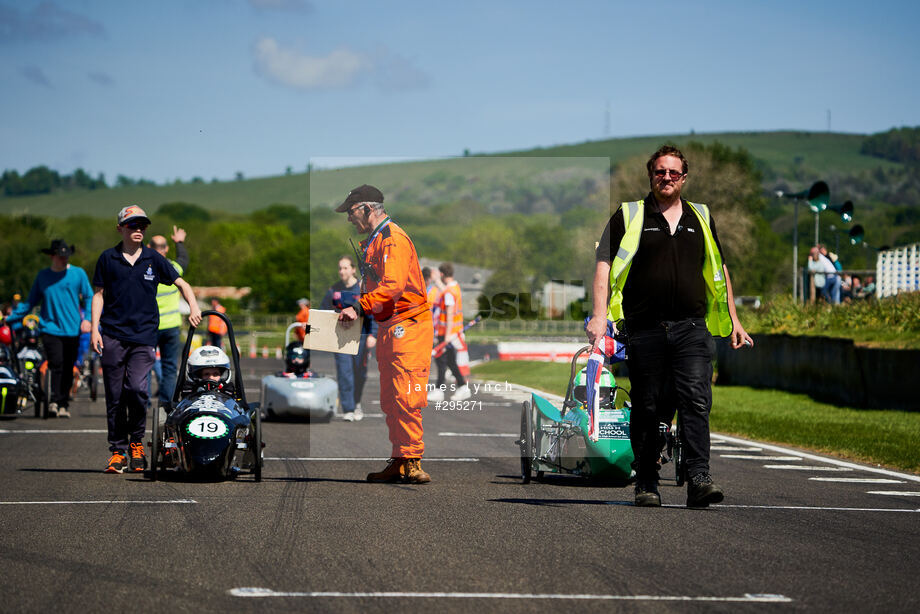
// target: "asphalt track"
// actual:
[[795, 532]]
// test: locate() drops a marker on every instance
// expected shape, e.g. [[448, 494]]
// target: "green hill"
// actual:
[[793, 156], [778, 153]]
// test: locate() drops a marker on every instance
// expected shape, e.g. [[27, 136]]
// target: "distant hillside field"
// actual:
[[777, 153]]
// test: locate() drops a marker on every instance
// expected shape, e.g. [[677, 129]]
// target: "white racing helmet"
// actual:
[[607, 386], [208, 356]]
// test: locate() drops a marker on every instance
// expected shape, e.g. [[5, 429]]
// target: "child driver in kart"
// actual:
[[208, 369]]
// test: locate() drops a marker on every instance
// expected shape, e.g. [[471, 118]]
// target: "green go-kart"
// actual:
[[556, 440]]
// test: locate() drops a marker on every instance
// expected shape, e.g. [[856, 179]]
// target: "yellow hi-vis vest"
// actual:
[[168, 302], [718, 318]]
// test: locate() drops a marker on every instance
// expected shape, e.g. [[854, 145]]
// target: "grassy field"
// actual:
[[881, 437], [779, 151]]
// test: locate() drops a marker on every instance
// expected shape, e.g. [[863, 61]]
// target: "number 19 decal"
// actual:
[[207, 427]]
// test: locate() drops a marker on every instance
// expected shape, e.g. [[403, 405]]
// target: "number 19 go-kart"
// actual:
[[210, 432], [557, 440]]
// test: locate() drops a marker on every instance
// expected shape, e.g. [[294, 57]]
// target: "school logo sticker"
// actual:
[[399, 331]]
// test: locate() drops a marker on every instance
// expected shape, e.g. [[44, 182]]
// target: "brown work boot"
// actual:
[[392, 473], [414, 474]]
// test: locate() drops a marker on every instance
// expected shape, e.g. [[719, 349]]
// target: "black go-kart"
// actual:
[[10, 386], [208, 434], [33, 372]]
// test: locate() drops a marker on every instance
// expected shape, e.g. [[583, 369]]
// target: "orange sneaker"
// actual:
[[138, 460], [117, 463]]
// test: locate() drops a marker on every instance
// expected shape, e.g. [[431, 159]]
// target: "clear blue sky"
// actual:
[[177, 89]]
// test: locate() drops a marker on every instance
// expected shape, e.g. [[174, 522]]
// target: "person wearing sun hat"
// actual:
[[61, 290], [124, 331]]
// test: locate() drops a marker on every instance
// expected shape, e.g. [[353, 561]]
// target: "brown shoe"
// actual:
[[392, 473], [414, 474]]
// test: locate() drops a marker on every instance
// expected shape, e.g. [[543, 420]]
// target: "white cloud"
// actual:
[[340, 68]]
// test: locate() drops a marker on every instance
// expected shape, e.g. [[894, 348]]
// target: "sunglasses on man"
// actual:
[[136, 226], [660, 173]]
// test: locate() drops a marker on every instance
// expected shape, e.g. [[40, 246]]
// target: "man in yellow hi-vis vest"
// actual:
[[168, 335], [660, 268]]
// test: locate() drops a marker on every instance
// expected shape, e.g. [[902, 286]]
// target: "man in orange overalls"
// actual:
[[217, 328], [394, 294]]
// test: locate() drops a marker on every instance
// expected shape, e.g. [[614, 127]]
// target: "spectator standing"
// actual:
[[125, 320], [831, 289], [303, 316], [217, 328], [168, 335], [395, 296], [61, 290], [659, 265], [348, 368], [449, 324], [868, 290]]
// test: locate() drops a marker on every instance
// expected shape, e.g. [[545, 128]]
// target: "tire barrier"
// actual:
[[827, 369]]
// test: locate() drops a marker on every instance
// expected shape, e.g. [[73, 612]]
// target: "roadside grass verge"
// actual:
[[879, 437]]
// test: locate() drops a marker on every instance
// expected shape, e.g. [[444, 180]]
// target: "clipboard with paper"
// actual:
[[327, 334]]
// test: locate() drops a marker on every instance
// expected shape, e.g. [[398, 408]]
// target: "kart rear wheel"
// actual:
[[155, 445], [526, 443], [257, 443], [44, 396]]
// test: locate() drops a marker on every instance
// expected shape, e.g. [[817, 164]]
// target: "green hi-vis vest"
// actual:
[[168, 302], [718, 319]]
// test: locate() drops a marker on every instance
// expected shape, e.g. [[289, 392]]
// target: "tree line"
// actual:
[[284, 252]]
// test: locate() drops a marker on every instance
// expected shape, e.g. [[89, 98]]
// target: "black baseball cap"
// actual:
[[60, 248], [361, 194]]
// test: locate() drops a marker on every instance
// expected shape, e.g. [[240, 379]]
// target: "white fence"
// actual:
[[898, 270]]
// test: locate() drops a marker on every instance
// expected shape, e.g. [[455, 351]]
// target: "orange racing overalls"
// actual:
[[394, 294]]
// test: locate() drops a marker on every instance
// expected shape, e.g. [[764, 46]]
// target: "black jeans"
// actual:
[[670, 367], [125, 369], [62, 354], [448, 360]]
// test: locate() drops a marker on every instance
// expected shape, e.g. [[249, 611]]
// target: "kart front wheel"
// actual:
[[526, 443], [155, 445], [257, 444]]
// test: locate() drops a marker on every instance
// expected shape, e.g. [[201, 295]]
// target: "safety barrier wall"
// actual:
[[827, 369]]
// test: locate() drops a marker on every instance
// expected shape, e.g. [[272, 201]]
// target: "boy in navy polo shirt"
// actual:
[[125, 307]]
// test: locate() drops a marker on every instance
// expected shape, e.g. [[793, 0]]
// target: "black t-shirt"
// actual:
[[665, 281], [130, 311]]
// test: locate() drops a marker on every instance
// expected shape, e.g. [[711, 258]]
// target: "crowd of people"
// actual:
[[832, 284], [660, 275]]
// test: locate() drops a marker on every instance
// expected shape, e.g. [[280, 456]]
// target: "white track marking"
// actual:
[[823, 459], [859, 480], [364, 458], [893, 492], [449, 434], [760, 457], [172, 502], [718, 448], [267, 592], [807, 508], [806, 468]]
